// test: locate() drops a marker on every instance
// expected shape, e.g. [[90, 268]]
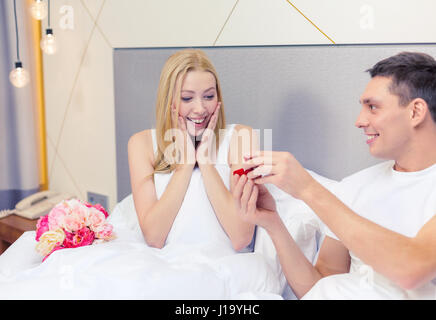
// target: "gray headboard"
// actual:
[[307, 95]]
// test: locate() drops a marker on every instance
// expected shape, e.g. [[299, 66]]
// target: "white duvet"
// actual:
[[126, 268]]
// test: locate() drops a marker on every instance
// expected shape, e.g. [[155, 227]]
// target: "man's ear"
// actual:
[[418, 111]]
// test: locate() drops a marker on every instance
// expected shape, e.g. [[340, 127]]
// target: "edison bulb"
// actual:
[[48, 42], [39, 9], [19, 77]]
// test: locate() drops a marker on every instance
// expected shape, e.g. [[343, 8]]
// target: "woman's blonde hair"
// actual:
[[169, 90]]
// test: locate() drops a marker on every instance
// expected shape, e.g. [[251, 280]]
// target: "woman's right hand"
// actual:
[[182, 150]]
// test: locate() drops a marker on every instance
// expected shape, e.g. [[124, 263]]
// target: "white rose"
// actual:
[[49, 240]]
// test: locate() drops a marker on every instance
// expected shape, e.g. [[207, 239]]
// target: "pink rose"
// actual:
[[105, 232], [96, 219], [73, 222], [56, 217], [82, 237], [99, 207], [82, 214], [87, 204], [41, 226]]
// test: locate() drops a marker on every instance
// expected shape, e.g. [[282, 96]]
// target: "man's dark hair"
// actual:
[[413, 76]]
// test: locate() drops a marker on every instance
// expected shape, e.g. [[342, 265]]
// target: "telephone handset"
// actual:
[[37, 205]]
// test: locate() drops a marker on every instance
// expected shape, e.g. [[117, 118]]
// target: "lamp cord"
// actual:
[[16, 30], [48, 19]]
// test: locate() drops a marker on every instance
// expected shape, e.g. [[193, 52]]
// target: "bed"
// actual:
[[126, 268], [303, 94]]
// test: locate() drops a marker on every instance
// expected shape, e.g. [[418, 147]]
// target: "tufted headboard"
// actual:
[[308, 95]]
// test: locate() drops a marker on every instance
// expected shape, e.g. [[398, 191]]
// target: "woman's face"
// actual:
[[198, 100]]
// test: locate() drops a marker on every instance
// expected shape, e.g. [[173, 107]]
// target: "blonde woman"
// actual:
[[181, 171]]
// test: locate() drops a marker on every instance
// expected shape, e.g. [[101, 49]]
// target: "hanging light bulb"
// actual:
[[48, 42], [38, 9], [19, 76]]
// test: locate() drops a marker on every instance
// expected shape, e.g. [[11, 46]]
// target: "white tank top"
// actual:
[[196, 221]]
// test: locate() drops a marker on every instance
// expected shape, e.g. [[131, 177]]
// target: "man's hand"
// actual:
[[280, 169]]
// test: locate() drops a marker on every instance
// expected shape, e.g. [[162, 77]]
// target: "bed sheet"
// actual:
[[126, 268]]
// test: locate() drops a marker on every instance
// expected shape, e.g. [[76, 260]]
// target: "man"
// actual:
[[381, 242]]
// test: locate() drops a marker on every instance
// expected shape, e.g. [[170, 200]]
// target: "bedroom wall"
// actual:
[[79, 86]]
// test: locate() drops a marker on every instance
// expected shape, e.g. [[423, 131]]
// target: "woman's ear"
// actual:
[[418, 111]]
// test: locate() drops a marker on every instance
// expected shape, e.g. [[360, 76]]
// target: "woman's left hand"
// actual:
[[206, 150], [254, 203]]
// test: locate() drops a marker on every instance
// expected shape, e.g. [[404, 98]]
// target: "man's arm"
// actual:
[[333, 258], [409, 262]]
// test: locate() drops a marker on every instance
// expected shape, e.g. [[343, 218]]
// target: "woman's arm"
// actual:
[[257, 206], [155, 216], [300, 274], [240, 232]]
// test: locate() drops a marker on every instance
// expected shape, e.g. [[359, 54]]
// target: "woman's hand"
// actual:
[[206, 150], [254, 203], [182, 143]]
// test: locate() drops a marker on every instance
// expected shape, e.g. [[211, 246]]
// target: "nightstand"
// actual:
[[12, 227]]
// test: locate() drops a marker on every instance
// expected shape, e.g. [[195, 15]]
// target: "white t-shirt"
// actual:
[[399, 201]]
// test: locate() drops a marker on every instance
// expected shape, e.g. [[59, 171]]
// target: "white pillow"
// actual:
[[302, 223], [247, 272], [124, 216]]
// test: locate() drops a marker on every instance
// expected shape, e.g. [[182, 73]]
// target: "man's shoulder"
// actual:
[[370, 172], [365, 177]]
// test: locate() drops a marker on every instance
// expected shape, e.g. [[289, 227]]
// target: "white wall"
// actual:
[[79, 78]]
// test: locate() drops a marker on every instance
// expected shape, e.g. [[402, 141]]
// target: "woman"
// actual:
[[181, 171], [180, 176]]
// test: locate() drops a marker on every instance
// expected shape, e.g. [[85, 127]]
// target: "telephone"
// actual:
[[37, 205]]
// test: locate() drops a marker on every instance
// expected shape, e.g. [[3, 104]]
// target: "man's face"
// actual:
[[386, 124]]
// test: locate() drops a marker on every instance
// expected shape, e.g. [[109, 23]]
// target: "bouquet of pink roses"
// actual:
[[71, 224]]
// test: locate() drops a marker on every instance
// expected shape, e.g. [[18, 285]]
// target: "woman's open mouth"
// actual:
[[198, 122]]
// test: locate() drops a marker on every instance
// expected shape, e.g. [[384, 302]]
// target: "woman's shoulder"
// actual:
[[141, 142], [140, 137]]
